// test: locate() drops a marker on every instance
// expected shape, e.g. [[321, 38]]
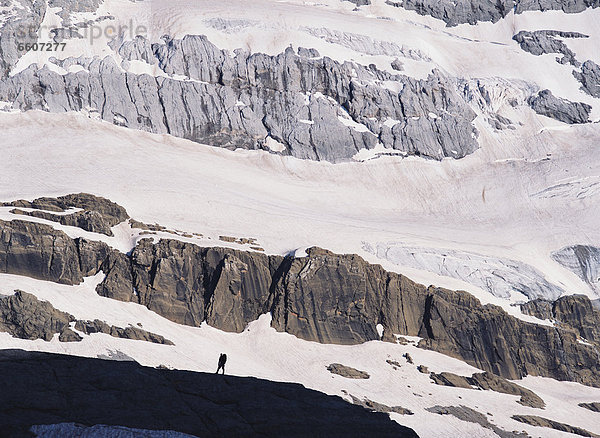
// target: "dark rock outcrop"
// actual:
[[317, 108], [98, 214], [24, 316], [97, 326], [489, 381], [589, 76], [541, 42], [41, 388], [473, 11], [593, 406], [378, 407], [465, 413], [546, 104], [346, 371], [534, 420], [40, 251], [574, 312], [324, 297]]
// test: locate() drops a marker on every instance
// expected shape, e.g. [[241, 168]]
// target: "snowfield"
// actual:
[[487, 223]]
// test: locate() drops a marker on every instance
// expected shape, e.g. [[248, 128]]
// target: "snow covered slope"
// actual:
[[382, 132]]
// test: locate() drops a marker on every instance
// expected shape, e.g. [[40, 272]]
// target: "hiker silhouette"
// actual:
[[222, 360]]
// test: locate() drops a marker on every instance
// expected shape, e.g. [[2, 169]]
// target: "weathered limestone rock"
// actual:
[[589, 78], [546, 104], [24, 316], [593, 406], [574, 312], [541, 42], [98, 215], [317, 108], [346, 371], [534, 420], [465, 413], [323, 297], [472, 11], [97, 326]]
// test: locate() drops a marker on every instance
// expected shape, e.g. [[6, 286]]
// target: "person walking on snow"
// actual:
[[222, 360]]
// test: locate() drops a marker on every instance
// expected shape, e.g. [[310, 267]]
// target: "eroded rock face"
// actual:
[[472, 11], [323, 297], [534, 420], [465, 413], [97, 326], [540, 42], [574, 312], [593, 406], [346, 371], [315, 107], [489, 381], [24, 316], [98, 214], [546, 104], [589, 78]]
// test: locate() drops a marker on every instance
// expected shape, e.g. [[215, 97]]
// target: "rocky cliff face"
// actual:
[[546, 104], [472, 11], [297, 104], [323, 297]]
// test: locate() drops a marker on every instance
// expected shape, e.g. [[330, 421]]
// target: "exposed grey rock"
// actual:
[[359, 2], [541, 42], [317, 108], [397, 65], [534, 420], [38, 251], [24, 316], [346, 371], [593, 406], [574, 312], [472, 11], [69, 335], [98, 215], [457, 12], [97, 326], [423, 369], [308, 53], [378, 407], [569, 7], [492, 382], [324, 297], [589, 77], [465, 413], [69, 7], [546, 104], [21, 28], [41, 388]]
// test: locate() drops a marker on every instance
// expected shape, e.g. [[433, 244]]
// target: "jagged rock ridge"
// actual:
[[323, 297], [310, 107]]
